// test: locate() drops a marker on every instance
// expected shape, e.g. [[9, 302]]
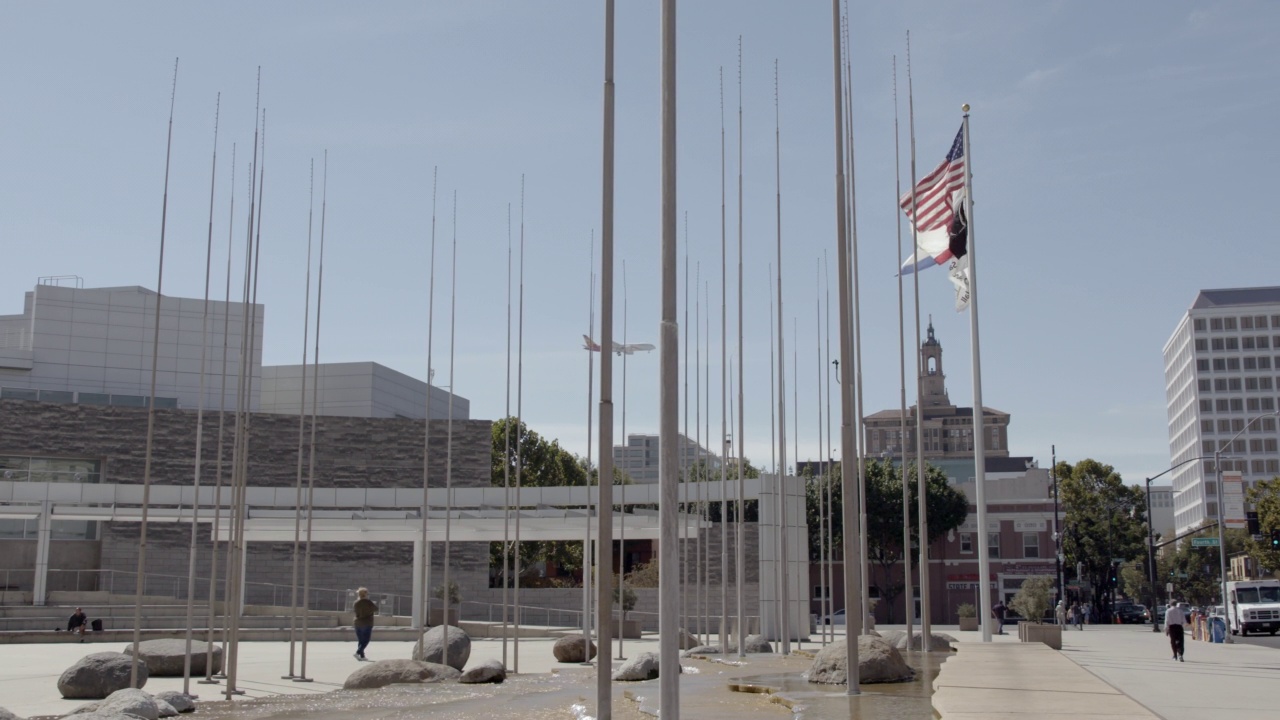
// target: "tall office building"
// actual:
[[1222, 372]]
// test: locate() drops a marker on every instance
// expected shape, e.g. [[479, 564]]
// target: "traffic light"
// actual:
[[1115, 571], [1275, 539]]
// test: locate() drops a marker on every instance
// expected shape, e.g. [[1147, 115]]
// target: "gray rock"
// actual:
[[180, 702], [489, 671], [568, 649], [644, 666], [96, 676], [166, 710], [386, 672], [898, 639], [130, 701], [459, 646], [83, 710], [6, 715], [756, 644], [878, 662], [687, 641], [702, 650], [165, 658]]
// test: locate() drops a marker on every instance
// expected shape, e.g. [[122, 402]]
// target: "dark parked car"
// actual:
[[1131, 613]]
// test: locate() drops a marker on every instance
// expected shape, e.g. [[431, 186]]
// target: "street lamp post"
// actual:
[[1057, 530], [1222, 544], [1151, 562]]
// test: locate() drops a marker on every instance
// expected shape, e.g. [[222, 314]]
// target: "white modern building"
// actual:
[[1222, 374], [639, 457], [94, 346]]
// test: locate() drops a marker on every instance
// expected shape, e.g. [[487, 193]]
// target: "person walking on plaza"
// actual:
[[1060, 613], [1174, 618], [364, 609], [1077, 616], [998, 610]]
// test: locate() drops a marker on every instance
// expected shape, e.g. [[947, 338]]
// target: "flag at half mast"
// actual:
[[936, 207]]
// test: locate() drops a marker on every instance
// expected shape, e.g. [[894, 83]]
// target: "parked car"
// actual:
[[835, 618], [1130, 613]]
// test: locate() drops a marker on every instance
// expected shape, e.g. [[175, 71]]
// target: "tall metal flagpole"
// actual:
[[669, 400], [515, 640], [604, 517], [506, 466], [829, 457], [908, 606], [740, 538], [302, 424], [824, 590], [922, 534], [703, 547], [622, 506], [222, 406], [852, 592], [979, 455], [773, 461], [140, 577], [685, 465], [204, 351], [859, 436], [724, 397], [315, 402], [425, 555], [782, 379], [723, 425], [448, 463], [586, 541], [706, 433]]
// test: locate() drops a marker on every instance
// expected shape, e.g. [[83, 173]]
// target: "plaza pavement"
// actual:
[[1109, 672]]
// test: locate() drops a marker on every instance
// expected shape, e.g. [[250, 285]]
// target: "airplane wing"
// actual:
[[636, 347]]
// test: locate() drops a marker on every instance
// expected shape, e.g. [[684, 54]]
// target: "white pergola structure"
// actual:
[[360, 515]]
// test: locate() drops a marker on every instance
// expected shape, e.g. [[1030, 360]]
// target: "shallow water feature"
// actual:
[[781, 693], [880, 701]]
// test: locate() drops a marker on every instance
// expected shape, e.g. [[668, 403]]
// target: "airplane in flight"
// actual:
[[631, 349]]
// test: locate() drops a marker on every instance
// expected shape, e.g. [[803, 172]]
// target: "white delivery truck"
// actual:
[[1253, 606]]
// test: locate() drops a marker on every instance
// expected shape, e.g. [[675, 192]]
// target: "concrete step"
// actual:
[[149, 622], [118, 639]]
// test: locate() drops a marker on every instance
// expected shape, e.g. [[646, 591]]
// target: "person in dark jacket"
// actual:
[[999, 610], [365, 609], [78, 623]]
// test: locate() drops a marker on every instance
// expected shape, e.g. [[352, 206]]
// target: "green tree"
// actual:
[[1265, 498], [947, 509], [1104, 519], [541, 463], [1194, 571]]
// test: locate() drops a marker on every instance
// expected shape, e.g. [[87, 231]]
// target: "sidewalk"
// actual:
[[1124, 671]]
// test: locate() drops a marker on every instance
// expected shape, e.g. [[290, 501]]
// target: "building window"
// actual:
[[1233, 364], [1202, 365], [1206, 406], [1250, 363], [993, 544], [1222, 405], [966, 542], [1233, 384], [1264, 383], [1215, 324], [1030, 545], [1233, 344], [1246, 323], [1220, 385], [1199, 324], [1206, 426], [1224, 425], [1229, 323], [1264, 363], [1252, 404], [1268, 403], [1264, 342], [821, 592], [1218, 344], [1219, 364], [1204, 385], [1237, 405], [1202, 345], [1246, 343]]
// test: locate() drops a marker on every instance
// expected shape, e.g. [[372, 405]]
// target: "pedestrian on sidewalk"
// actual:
[[1175, 617], [1077, 615], [998, 611], [365, 609], [1060, 613]]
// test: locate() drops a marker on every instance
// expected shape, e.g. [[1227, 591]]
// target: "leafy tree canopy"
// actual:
[[1104, 519]]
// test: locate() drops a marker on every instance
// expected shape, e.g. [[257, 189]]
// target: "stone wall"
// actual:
[[350, 453]]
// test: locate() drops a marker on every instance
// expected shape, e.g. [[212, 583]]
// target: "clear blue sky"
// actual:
[[1118, 150]]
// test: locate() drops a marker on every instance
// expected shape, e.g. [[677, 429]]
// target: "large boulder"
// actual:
[[131, 701], [939, 642], [569, 649], [878, 662], [96, 676], [387, 672], [489, 671], [165, 658], [181, 702], [644, 666], [433, 642], [6, 715], [756, 644]]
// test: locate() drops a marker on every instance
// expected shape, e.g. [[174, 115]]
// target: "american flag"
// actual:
[[935, 194]]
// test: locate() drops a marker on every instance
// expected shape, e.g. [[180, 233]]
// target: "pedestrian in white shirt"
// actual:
[[1174, 619]]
